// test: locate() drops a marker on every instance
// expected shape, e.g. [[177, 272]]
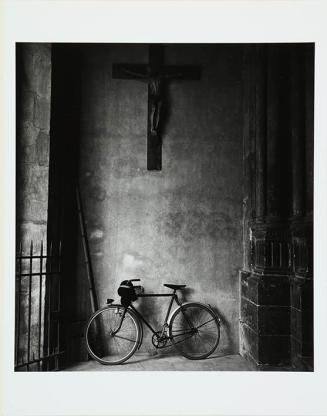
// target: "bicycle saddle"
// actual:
[[175, 287]]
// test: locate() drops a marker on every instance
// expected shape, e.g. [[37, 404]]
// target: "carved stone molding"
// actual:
[[282, 248], [270, 247], [302, 247]]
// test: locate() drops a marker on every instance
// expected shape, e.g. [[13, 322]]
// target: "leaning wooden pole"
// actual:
[[87, 257]]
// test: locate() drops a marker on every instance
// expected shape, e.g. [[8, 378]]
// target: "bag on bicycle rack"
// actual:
[[127, 293]]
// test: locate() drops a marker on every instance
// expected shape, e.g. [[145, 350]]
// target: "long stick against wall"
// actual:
[[87, 256]]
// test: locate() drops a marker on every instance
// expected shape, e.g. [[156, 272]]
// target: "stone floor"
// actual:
[[146, 362]]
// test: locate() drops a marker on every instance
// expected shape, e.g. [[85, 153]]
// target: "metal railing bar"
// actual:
[[37, 257], [29, 304], [40, 304], [49, 302], [42, 336], [37, 274], [18, 306]]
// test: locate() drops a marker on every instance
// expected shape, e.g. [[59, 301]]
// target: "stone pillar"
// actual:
[[272, 114], [33, 91], [301, 222], [33, 80], [65, 136], [297, 132], [260, 131], [309, 64], [267, 319], [278, 139]]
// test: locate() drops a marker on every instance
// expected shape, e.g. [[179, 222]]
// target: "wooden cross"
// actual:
[[155, 75]]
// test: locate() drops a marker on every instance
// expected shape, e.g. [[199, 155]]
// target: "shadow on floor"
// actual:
[[162, 362]]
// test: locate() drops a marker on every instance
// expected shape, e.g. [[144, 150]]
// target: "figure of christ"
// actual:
[[156, 85]]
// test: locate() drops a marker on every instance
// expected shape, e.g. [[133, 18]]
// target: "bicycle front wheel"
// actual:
[[112, 335], [194, 331]]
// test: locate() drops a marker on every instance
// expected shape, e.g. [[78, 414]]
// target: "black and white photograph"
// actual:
[[165, 193], [164, 207]]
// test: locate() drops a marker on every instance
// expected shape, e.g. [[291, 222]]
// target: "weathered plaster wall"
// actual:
[[180, 225]]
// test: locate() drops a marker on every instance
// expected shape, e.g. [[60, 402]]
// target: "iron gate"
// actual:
[[38, 328]]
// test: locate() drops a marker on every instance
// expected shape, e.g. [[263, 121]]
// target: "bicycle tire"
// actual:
[[102, 345], [193, 343]]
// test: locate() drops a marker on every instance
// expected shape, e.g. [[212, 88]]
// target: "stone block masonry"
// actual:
[[33, 140], [33, 93]]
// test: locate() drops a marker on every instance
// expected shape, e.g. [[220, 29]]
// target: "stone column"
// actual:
[[301, 223], [33, 80], [297, 133], [63, 225], [261, 130], [276, 287], [309, 63], [33, 93], [265, 294], [272, 113]]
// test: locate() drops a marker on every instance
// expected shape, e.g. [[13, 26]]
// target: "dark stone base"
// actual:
[[276, 325], [253, 350], [264, 350], [265, 289], [302, 323], [265, 319]]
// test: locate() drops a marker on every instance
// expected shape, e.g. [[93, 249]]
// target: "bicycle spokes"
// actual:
[[119, 336], [195, 331], [112, 337]]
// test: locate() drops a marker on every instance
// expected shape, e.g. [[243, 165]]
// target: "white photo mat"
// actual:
[[160, 393]]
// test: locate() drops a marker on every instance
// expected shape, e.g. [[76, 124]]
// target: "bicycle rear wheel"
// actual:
[[194, 331], [105, 341]]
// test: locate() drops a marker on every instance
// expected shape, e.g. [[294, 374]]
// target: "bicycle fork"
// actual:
[[120, 323]]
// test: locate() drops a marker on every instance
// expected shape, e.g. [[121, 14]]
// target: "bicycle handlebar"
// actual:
[[134, 280]]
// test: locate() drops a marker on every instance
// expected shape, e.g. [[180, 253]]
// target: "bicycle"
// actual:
[[115, 332]]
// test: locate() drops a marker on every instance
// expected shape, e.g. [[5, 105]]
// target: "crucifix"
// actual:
[[156, 75]]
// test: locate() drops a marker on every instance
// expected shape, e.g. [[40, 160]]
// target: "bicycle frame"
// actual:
[[173, 296]]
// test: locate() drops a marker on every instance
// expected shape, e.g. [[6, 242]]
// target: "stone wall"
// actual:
[[33, 141], [184, 223], [33, 89]]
